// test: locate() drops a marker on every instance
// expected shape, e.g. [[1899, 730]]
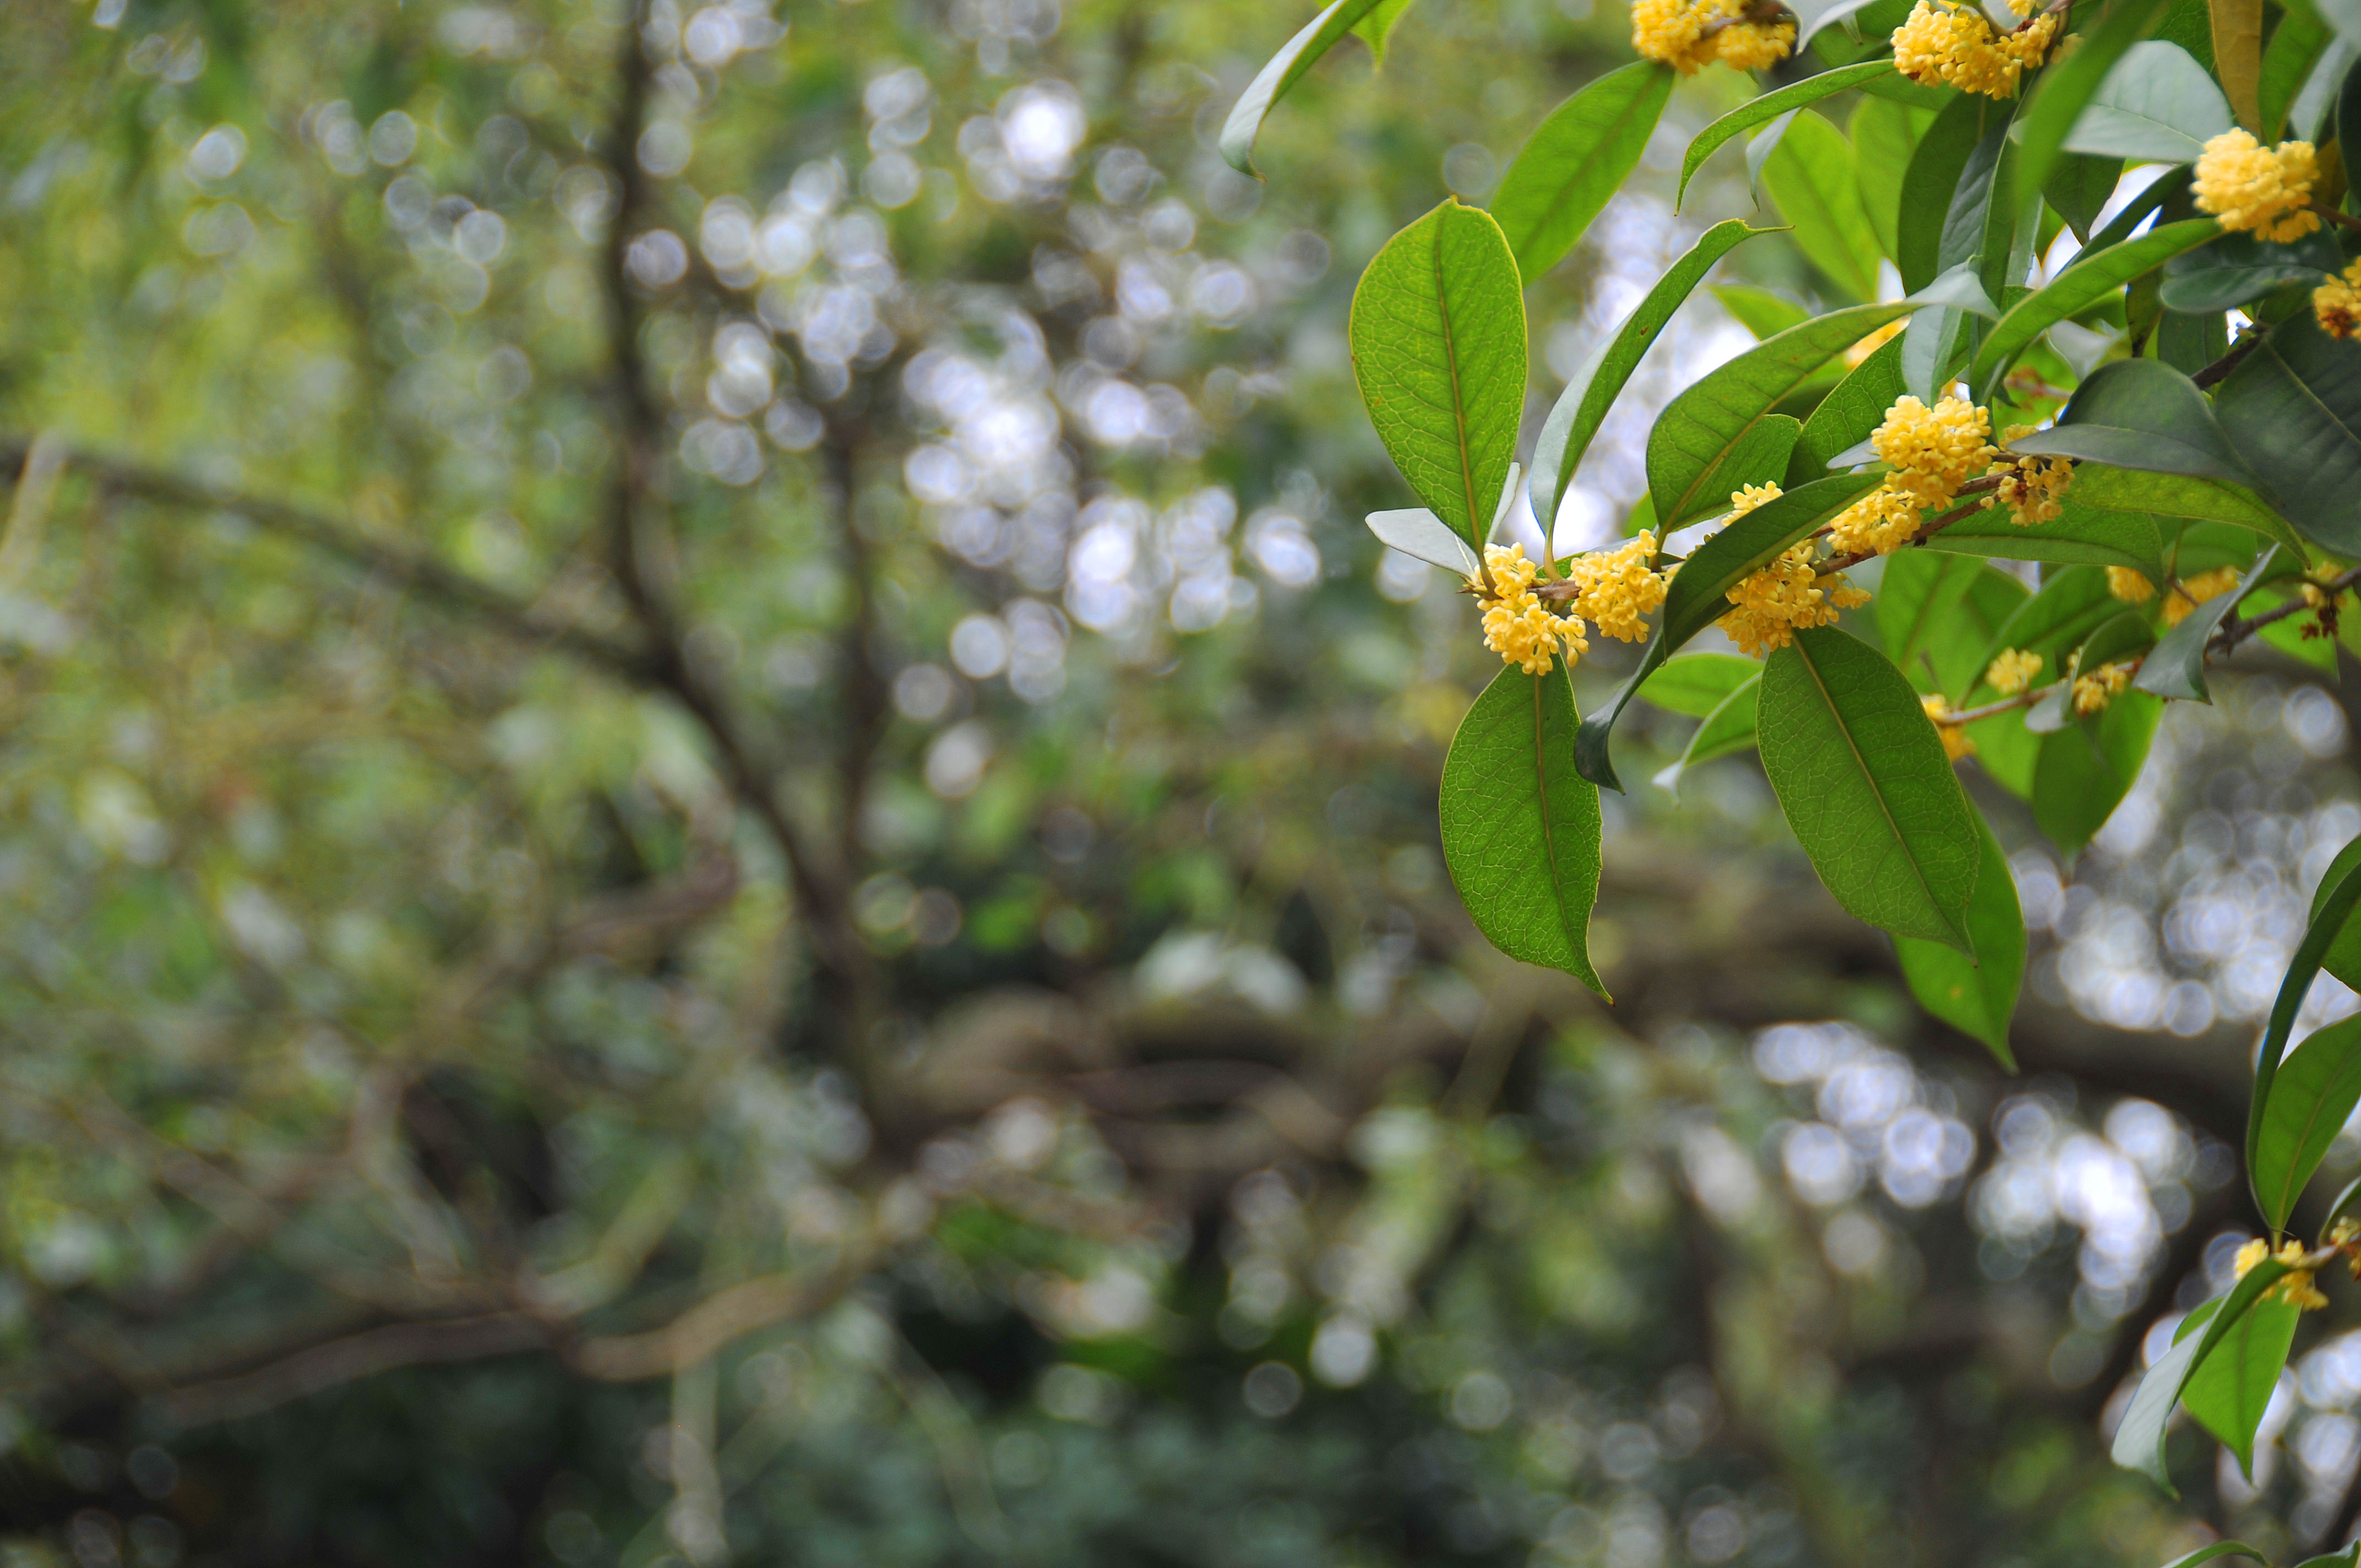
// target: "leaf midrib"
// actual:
[[1459, 411]]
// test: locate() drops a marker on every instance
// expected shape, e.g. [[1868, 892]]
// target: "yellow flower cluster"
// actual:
[[2191, 592], [2131, 587], [1687, 34], [1747, 499], [2250, 186], [2336, 304], [1949, 41], [1786, 594], [1517, 625], [2033, 487], [1957, 743], [1878, 524], [2012, 671], [1859, 353], [1613, 588], [2295, 1286], [2094, 691], [1933, 451]]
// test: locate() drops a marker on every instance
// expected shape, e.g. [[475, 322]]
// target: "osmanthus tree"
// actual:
[[2198, 487]]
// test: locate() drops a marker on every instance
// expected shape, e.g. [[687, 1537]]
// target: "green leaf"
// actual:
[[2205, 1554], [2139, 1436], [1769, 106], [1520, 827], [1758, 310], [1812, 178], [1865, 785], [2238, 55], [2238, 267], [1930, 184], [1919, 590], [2315, 1090], [2079, 536], [2177, 667], [2344, 957], [2064, 89], [2093, 277], [2230, 1392], [1848, 415], [2156, 105], [2297, 44], [1580, 409], [2292, 408], [2330, 911], [2110, 489], [2172, 183], [1697, 597], [1697, 684], [1759, 458], [1976, 998], [1701, 427], [1575, 160], [1885, 135], [2071, 606], [1960, 645], [1376, 29], [2137, 413], [1728, 728], [1300, 54], [2084, 771], [2079, 188], [1979, 206], [1811, 15], [1438, 337]]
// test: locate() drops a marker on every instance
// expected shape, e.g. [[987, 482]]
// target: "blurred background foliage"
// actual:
[[718, 845]]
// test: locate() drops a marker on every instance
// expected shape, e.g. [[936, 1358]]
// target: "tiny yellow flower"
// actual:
[[2295, 1286], [2188, 594], [1782, 596], [2336, 304], [1746, 499], [1946, 41], [1517, 625], [2250, 186], [2032, 488], [1878, 524], [1755, 46], [1689, 34], [1933, 451], [1957, 743], [1613, 588], [2094, 691], [2129, 585], [2012, 671]]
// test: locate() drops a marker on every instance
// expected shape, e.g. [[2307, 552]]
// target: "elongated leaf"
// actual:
[[1575, 160], [1813, 15], [1758, 310], [2092, 277], [1376, 29], [1697, 595], [2111, 488], [2156, 105], [2177, 667], [2081, 536], [1961, 645], [2238, 55], [2207, 1553], [2294, 410], [1438, 336], [2139, 1436], [2230, 1392], [2343, 956], [1932, 349], [2064, 89], [1976, 998], [2297, 44], [1698, 429], [2238, 267], [1866, 787], [1728, 728], [1582, 407], [2053, 623], [1769, 106], [1920, 590], [2137, 413], [1978, 206], [1759, 148], [1300, 54], [2316, 1089], [1884, 134], [2084, 771], [1930, 184], [1520, 827], [1417, 532], [2330, 913], [1849, 415], [1759, 456], [1813, 178], [2080, 186], [1697, 684]]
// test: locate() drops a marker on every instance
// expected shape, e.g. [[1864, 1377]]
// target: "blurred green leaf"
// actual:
[[1976, 997], [1575, 160]]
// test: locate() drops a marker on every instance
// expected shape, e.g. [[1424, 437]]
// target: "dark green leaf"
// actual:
[[1812, 177], [2071, 606], [1728, 728], [1769, 106], [2156, 105], [1929, 183], [2139, 1436], [1885, 135], [1849, 415], [2228, 1393], [2330, 911], [1759, 458], [1438, 336], [2294, 410], [2063, 90], [1697, 684], [1975, 998], [2137, 413], [2343, 956], [2295, 47], [1865, 785], [1979, 202], [2111, 488], [1960, 645], [1520, 827], [2315, 1090], [1580, 409], [1300, 54], [2085, 770], [2079, 536], [2079, 187], [1574, 162], [2093, 276], [2238, 267], [1919, 590], [2205, 1554]]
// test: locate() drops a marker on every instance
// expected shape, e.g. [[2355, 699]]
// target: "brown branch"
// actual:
[[2228, 362], [705, 1329], [320, 1367], [867, 707]]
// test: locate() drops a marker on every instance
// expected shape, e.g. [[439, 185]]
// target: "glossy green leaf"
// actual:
[[2156, 105], [1767, 107], [2065, 89], [2315, 1092], [2330, 910], [2110, 489], [2081, 536], [2092, 277], [2228, 1393], [1884, 134], [1575, 417], [1300, 54], [1959, 645], [1520, 827], [1728, 728], [2079, 188], [2296, 46], [1759, 457], [1977, 997], [1849, 415], [1813, 178], [2084, 771], [1575, 160], [1979, 206], [2238, 267], [2343, 958], [1865, 785], [2071, 606], [1701, 427], [1697, 684], [1920, 590], [2137, 413], [2139, 1436], [1929, 183], [1697, 597], [1438, 338], [2292, 408]]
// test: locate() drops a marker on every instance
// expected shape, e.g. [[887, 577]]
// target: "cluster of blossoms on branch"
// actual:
[[2295, 1286], [2336, 304], [1611, 589], [1944, 41], [1689, 34], [2133, 587], [2263, 189]]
